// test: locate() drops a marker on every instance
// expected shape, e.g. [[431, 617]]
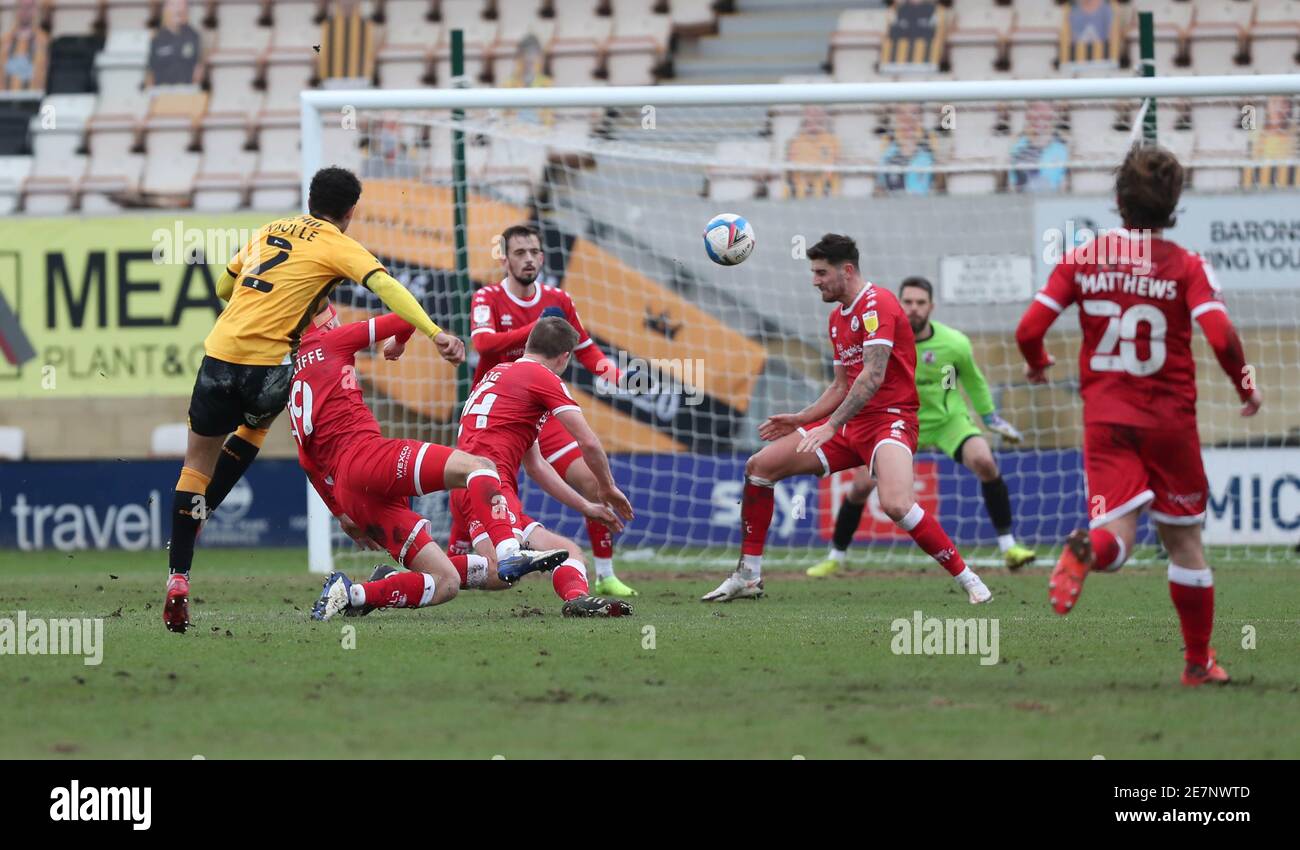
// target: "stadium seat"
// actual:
[[49, 195], [1173, 22], [13, 443], [120, 72], [14, 171], [220, 184], [739, 182], [275, 184], [408, 22], [169, 440], [467, 16], [171, 158], [293, 23], [402, 66], [1218, 36], [1035, 40], [115, 166], [231, 76], [239, 28], [120, 15], [692, 15], [289, 71], [1275, 37], [855, 45], [980, 34], [72, 64], [59, 149], [73, 17]]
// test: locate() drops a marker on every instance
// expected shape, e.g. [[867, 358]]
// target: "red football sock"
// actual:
[[602, 539], [399, 590], [569, 580], [1107, 551], [1193, 594], [484, 486], [756, 506], [472, 569], [932, 539]]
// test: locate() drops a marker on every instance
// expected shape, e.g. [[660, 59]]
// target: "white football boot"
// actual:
[[974, 587], [735, 587]]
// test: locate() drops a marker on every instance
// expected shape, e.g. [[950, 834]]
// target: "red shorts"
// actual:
[[559, 449], [375, 483], [856, 442], [1128, 468], [466, 530]]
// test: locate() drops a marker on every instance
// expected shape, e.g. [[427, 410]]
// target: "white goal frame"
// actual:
[[315, 104]]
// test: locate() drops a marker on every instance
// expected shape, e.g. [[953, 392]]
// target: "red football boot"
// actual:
[[1071, 569], [1212, 673], [176, 610]]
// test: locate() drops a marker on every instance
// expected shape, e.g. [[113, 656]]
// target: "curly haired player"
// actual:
[[1137, 377]]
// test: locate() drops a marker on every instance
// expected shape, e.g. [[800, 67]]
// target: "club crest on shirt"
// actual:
[[853, 324], [870, 322], [482, 314], [928, 357]]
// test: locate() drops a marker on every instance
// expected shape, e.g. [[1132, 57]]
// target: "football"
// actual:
[[728, 239]]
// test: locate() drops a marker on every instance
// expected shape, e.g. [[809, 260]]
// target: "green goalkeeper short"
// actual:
[[949, 435]]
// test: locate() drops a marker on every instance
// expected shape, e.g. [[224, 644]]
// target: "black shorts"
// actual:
[[227, 395]]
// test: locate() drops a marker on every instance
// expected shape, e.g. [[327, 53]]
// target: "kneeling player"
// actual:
[[367, 480], [1137, 295], [871, 407]]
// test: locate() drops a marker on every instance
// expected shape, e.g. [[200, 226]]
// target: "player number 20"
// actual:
[[1122, 333]]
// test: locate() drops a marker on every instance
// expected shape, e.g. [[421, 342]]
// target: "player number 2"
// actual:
[[1122, 333]]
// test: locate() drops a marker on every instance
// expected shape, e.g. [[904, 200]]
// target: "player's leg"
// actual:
[[569, 579], [892, 463], [847, 520], [1191, 588], [1173, 463], [772, 463], [973, 452], [1118, 488], [237, 455], [579, 476]]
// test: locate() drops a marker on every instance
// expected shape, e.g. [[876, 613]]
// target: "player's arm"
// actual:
[[400, 300], [1222, 336], [225, 285], [557, 488], [780, 424], [492, 341], [875, 360], [593, 453], [977, 389], [1034, 324]]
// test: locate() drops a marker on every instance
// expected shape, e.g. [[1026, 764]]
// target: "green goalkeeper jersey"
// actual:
[[943, 361]]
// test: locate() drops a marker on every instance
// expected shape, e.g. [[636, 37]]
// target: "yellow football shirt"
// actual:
[[280, 277]]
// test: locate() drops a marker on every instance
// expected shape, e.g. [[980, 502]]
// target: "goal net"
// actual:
[[977, 191]]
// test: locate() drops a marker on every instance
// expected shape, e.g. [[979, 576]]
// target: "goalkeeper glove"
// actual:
[[1002, 427]]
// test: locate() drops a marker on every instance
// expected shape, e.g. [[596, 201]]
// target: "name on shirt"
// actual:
[[306, 358], [1128, 284]]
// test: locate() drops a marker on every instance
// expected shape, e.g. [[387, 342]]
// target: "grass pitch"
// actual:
[[808, 671]]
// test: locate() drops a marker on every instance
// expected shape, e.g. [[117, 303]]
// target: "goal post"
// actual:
[[930, 177]]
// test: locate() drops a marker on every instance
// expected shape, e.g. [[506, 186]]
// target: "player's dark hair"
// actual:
[[916, 283], [333, 192], [551, 337], [836, 249], [1147, 187], [518, 230]]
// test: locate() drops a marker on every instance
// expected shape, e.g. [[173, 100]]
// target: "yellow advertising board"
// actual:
[[115, 306]]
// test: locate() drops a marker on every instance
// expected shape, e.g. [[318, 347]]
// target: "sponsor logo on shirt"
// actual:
[[870, 321]]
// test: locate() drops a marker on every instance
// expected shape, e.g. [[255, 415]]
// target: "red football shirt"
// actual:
[[327, 412], [507, 409], [1135, 363], [876, 318], [495, 310]]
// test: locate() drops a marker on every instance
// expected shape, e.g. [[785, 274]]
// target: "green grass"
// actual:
[[807, 671]]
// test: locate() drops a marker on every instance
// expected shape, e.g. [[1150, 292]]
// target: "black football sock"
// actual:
[[998, 503], [189, 506], [846, 524], [236, 456]]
